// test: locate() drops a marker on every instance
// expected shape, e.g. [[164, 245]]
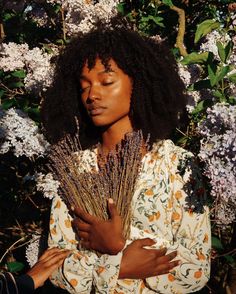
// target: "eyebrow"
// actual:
[[100, 73]]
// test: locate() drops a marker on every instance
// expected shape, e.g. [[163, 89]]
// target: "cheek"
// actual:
[[83, 99], [122, 94]]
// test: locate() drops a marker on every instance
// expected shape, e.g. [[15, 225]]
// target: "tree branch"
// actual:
[[181, 31]]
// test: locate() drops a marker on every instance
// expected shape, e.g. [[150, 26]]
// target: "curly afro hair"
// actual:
[[157, 100]]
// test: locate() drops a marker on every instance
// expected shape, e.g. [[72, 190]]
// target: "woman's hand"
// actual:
[[140, 263], [102, 236], [50, 260]]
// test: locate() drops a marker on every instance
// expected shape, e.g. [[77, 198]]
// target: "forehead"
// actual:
[[99, 67]]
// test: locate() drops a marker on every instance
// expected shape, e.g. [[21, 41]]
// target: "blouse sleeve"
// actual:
[[187, 231], [82, 271]]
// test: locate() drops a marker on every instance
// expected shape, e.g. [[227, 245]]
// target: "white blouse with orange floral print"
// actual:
[[168, 180]]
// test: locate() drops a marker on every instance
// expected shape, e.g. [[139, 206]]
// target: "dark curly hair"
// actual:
[[157, 99]]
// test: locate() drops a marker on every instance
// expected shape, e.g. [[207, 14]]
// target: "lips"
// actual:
[[96, 110]]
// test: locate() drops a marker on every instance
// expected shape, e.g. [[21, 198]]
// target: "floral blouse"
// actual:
[[167, 189]]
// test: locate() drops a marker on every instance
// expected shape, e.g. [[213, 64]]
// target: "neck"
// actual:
[[114, 134]]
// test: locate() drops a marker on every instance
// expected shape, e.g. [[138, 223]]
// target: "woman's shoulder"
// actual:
[[170, 152]]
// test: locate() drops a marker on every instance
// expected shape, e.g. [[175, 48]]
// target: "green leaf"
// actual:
[[204, 28], [195, 57], [228, 50], [224, 52], [1, 93], [15, 266], [221, 51], [57, 8], [16, 85], [232, 78], [203, 84], [121, 8], [198, 108], [232, 100], [157, 19], [216, 243], [7, 16], [168, 2], [218, 94], [222, 73], [211, 73], [19, 74], [8, 103], [60, 41], [230, 259]]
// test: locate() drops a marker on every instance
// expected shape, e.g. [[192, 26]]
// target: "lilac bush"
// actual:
[[218, 151]]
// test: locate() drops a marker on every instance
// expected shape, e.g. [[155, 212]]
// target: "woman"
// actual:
[[115, 81]]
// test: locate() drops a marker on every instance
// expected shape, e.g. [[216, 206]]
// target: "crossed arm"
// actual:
[[106, 237]]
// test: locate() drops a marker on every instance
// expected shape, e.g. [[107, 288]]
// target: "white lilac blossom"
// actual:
[[218, 151], [209, 44], [36, 62], [40, 71], [189, 75], [184, 74], [20, 134], [11, 56], [193, 97], [32, 250], [81, 15], [47, 185]]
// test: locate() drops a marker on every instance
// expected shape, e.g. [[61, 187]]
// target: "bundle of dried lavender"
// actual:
[[115, 177]]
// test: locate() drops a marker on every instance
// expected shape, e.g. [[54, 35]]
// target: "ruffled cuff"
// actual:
[[106, 273]]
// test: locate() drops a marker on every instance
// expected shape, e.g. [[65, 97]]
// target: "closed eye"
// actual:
[[82, 90]]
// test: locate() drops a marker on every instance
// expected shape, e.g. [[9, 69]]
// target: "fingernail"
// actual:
[[110, 200], [72, 208]]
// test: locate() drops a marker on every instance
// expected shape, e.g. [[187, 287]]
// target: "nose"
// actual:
[[94, 94]]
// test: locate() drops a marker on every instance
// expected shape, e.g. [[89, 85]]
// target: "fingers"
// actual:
[[167, 258], [86, 217], [144, 242], [83, 227], [83, 236], [50, 252], [86, 244], [79, 225], [56, 258], [165, 268], [112, 209]]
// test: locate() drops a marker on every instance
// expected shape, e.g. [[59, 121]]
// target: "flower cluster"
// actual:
[[32, 250], [191, 74], [12, 56], [81, 15], [218, 151], [20, 134], [212, 38], [36, 62], [47, 185], [40, 71]]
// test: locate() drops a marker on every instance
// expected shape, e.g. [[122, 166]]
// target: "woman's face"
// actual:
[[106, 94]]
